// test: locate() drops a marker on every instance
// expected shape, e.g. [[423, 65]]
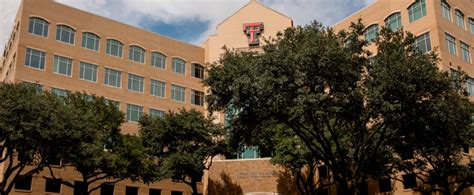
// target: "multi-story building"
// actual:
[[62, 49], [65, 49]]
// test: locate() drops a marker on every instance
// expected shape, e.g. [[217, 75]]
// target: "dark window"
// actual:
[[197, 71], [24, 183], [176, 193], [53, 185], [385, 185], [154, 192], [107, 190], [131, 190], [197, 98], [409, 181], [79, 188], [323, 172], [465, 148], [323, 191]]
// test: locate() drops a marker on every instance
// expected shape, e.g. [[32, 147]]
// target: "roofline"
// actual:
[[252, 1], [122, 23], [353, 14]]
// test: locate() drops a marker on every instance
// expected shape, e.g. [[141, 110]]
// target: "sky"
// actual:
[[191, 20]]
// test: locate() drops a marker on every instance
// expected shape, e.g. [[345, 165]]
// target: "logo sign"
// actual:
[[252, 30]]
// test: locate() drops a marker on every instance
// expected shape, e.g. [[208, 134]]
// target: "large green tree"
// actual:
[[337, 99], [30, 123], [431, 121], [184, 144], [98, 151]]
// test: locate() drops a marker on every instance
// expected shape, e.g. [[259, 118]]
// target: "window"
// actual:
[[88, 72], [154, 192], [62, 65], [114, 48], [446, 10], [423, 42], [90, 41], [471, 24], [385, 185], [176, 193], [24, 183], [197, 98], [456, 79], [371, 33], [113, 77], [59, 92], [38, 26], [417, 10], [179, 66], [470, 86], [53, 185], [158, 60], [65, 34], [466, 56], [451, 43], [114, 103], [197, 71], [35, 58], [249, 152], [460, 19], [157, 88], [107, 190], [134, 112], [394, 21], [135, 83], [37, 86], [78, 187], [137, 54], [131, 190], [156, 113], [178, 93]]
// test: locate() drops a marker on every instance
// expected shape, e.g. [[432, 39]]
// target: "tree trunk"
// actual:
[[447, 190], [194, 187]]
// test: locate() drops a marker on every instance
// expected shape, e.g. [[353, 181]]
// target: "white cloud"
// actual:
[[210, 11]]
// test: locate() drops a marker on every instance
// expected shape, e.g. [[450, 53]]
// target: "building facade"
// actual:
[[64, 49]]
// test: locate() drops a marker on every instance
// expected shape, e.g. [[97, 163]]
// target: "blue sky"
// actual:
[[191, 20]]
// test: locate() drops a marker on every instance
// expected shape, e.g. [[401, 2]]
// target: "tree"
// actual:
[[184, 143], [350, 113], [97, 149], [29, 123], [418, 103]]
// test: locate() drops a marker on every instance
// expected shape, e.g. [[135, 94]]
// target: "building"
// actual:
[[65, 49]]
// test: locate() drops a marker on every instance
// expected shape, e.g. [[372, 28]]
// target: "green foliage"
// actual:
[[350, 114], [184, 144]]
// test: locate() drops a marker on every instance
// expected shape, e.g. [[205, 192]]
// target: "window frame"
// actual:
[[394, 18], [471, 25], [115, 42], [459, 15], [196, 93], [418, 4], [465, 48], [42, 59], [59, 92], [141, 83], [107, 72], [451, 39], [44, 31], [131, 53], [83, 73], [71, 65], [173, 91], [154, 56], [174, 65], [445, 7], [89, 35], [200, 67], [367, 33], [151, 110], [63, 28], [153, 82], [129, 109], [426, 39]]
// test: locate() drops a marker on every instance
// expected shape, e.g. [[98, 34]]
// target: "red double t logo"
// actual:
[[252, 30]]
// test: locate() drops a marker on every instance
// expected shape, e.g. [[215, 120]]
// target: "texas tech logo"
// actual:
[[252, 30]]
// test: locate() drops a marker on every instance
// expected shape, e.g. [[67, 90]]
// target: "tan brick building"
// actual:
[[65, 49]]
